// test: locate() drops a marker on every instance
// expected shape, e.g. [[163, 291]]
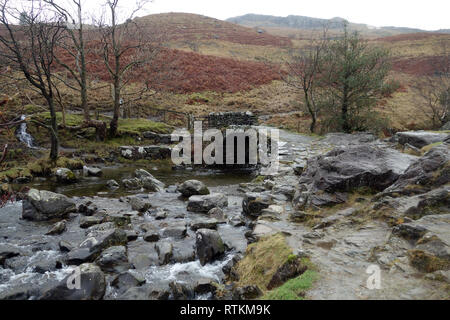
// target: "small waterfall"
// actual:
[[23, 135]]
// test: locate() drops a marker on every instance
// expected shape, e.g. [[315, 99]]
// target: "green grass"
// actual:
[[137, 126], [429, 147], [126, 126], [294, 289]]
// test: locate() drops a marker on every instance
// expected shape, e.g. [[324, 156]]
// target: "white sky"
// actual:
[[423, 14]]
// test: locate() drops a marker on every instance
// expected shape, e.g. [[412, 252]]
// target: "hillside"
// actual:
[[308, 23], [192, 27]]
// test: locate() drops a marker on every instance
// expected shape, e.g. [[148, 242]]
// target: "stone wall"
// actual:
[[225, 119]]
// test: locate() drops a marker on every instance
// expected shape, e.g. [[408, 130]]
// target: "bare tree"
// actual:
[[435, 91], [30, 49], [124, 48], [74, 44], [303, 70]]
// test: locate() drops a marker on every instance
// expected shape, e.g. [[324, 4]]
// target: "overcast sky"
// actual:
[[423, 14]]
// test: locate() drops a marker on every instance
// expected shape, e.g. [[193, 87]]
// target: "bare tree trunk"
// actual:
[[116, 111], [54, 130]]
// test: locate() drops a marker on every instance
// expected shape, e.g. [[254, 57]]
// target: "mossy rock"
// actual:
[[426, 262], [262, 260]]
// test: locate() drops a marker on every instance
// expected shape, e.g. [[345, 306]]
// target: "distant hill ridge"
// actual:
[[308, 23]]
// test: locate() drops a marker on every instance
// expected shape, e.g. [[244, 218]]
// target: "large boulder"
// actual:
[[209, 245], [192, 188], [428, 172], [207, 202], [419, 139], [345, 169], [41, 205], [92, 285]]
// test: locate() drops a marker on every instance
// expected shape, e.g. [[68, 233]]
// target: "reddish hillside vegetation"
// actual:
[[185, 72], [411, 36], [419, 66], [192, 27]]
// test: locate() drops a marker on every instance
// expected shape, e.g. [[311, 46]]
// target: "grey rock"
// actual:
[[177, 231], [86, 222], [424, 174], [41, 205], [92, 171], [254, 203], [139, 204], [132, 184], [112, 184], [64, 175], [192, 188], [419, 139], [164, 250], [92, 281], [148, 181], [206, 224], [207, 202], [217, 213], [114, 259], [125, 281], [57, 228], [209, 245], [87, 208], [328, 177], [102, 240], [79, 256], [65, 246], [151, 236]]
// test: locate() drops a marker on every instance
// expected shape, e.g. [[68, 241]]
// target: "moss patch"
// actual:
[[262, 260], [427, 263], [429, 147], [294, 289]]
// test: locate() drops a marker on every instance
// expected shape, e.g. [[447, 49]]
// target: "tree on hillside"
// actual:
[[73, 44], [354, 75], [435, 91], [124, 47], [303, 73], [30, 49]]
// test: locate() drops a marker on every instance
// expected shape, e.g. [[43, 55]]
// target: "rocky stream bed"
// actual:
[[345, 202]]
